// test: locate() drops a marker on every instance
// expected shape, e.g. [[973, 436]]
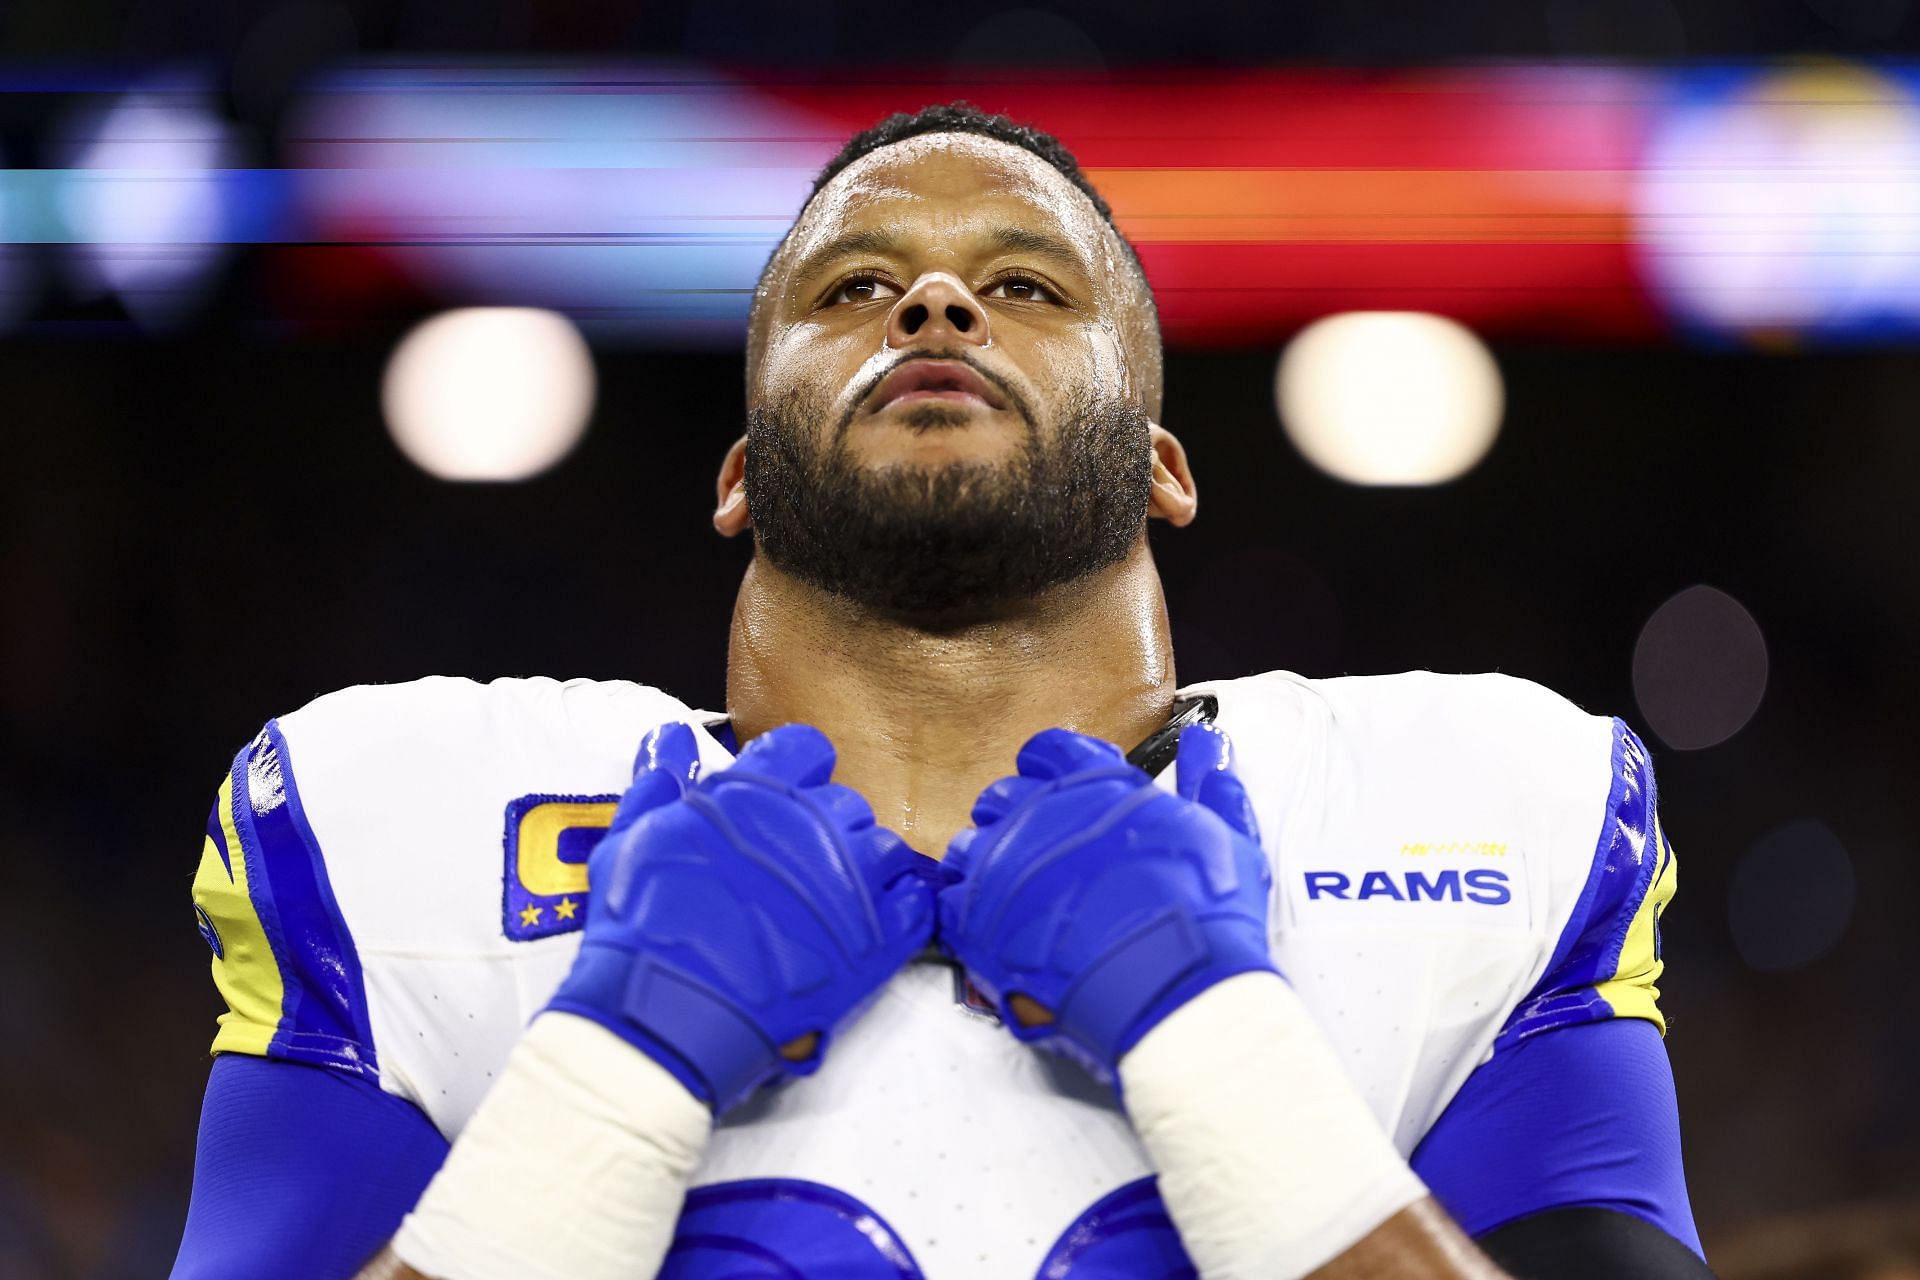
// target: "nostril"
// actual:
[[913, 317], [960, 318]]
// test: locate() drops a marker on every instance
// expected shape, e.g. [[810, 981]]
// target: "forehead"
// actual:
[[943, 180]]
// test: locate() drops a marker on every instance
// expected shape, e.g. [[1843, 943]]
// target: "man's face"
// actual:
[[944, 414]]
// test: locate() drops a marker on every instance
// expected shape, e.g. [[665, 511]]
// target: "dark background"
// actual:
[[861, 33], [200, 531]]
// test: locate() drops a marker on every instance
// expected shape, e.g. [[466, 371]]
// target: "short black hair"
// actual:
[[964, 117]]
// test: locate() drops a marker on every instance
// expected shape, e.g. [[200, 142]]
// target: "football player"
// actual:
[[545, 979]]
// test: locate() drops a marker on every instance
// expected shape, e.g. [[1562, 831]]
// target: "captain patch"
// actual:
[[547, 842]]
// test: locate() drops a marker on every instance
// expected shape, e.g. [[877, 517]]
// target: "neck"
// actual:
[[924, 716]]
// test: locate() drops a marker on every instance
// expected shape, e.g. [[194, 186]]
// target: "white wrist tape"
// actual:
[[573, 1168], [1269, 1162]]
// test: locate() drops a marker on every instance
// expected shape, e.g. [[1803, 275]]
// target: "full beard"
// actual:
[[956, 539]]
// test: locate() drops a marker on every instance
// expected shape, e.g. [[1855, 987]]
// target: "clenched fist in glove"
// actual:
[[1090, 904]]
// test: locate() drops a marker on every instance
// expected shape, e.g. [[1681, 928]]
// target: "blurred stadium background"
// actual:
[[353, 340]]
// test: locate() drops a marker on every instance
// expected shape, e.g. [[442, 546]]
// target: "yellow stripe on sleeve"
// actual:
[[245, 970], [1633, 990]]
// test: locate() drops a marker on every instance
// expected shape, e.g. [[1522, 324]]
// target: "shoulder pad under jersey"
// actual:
[[1587, 781], [373, 820]]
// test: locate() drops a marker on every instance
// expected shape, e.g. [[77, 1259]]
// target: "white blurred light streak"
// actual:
[[638, 198]]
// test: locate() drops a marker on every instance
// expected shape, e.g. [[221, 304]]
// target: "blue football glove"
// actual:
[[738, 914], [1102, 899]]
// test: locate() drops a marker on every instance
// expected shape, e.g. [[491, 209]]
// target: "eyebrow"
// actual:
[[1040, 244], [872, 240]]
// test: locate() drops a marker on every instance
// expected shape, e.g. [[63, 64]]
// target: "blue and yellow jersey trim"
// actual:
[[283, 958], [1607, 962]]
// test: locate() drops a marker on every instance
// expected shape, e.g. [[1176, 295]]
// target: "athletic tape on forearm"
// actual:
[[573, 1168], [1269, 1162]]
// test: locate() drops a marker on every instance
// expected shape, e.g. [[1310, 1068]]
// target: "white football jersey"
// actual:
[[395, 879]]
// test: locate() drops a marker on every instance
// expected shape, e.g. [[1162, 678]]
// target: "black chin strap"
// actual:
[[1156, 752]]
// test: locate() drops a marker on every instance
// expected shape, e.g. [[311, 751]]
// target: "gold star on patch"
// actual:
[[530, 916], [565, 909]]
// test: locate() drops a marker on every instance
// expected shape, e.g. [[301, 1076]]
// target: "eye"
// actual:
[[861, 289], [1020, 289]]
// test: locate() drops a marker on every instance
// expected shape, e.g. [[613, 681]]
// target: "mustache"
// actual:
[[1000, 384]]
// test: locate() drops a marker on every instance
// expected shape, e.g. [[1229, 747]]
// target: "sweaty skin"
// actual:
[[914, 248], [936, 243]]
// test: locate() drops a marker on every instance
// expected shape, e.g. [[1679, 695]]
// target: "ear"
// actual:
[[1173, 497], [730, 516]]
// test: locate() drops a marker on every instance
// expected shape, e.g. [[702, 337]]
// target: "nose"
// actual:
[[938, 307]]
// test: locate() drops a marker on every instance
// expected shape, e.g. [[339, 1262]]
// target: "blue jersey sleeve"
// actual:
[[1582, 1118], [301, 1172]]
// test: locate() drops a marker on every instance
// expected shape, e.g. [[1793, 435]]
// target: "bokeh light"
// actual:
[[145, 200], [1791, 897], [489, 393], [1389, 397], [1787, 201], [1699, 668]]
